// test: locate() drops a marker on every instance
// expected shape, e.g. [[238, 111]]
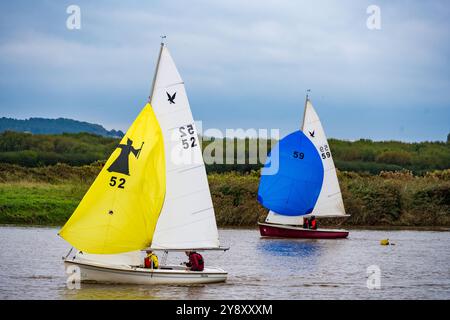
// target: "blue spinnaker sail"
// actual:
[[292, 177]]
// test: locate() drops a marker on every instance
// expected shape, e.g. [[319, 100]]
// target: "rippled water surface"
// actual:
[[416, 267]]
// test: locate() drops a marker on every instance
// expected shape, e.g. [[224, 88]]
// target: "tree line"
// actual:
[[364, 155]]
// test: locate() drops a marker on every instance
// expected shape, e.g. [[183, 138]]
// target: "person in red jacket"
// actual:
[[305, 223], [196, 262], [313, 223]]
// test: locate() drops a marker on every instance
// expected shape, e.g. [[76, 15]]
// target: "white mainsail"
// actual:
[[187, 219], [329, 203]]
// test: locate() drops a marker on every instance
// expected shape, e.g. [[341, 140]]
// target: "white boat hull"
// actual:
[[98, 273]]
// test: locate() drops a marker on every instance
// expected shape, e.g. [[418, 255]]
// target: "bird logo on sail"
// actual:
[[121, 164], [171, 98], [311, 133]]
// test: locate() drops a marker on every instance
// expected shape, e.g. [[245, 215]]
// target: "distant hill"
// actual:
[[55, 126]]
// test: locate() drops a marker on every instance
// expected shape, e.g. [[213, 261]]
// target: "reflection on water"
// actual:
[[99, 291], [415, 268], [134, 292], [289, 247]]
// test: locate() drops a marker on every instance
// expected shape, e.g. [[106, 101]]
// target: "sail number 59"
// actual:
[[298, 155], [325, 152]]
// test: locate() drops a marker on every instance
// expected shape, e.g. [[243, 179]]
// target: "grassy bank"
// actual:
[[48, 195], [38, 203]]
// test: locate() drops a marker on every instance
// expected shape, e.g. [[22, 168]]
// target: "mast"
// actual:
[[304, 111], [156, 69]]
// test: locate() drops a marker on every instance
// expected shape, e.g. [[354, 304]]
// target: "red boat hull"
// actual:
[[281, 231]]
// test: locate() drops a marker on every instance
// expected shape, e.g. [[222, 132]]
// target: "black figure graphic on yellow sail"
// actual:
[[121, 164]]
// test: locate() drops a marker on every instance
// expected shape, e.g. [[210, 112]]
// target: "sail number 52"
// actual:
[[188, 138], [113, 182]]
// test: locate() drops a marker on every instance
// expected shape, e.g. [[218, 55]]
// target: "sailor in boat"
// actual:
[[151, 260], [305, 223], [196, 262], [313, 223]]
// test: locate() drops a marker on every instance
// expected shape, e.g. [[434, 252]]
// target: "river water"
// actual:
[[416, 267]]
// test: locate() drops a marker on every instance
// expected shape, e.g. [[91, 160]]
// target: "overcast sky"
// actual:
[[246, 64]]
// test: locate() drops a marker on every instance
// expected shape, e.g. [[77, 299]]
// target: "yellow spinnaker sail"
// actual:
[[120, 210]]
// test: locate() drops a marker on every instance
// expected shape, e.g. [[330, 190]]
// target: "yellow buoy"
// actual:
[[384, 242]]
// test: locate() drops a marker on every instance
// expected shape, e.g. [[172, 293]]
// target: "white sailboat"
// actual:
[[185, 219], [329, 202]]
